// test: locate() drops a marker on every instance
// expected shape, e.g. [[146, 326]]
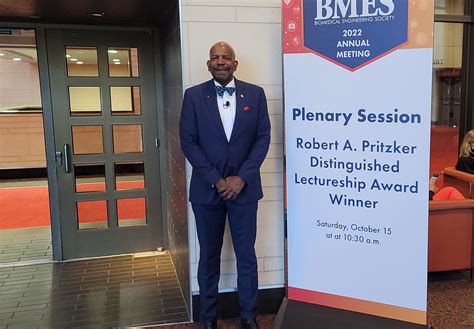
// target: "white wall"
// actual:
[[253, 28]]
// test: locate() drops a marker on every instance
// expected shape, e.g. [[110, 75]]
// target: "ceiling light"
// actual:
[[73, 59], [116, 60], [112, 51], [17, 59], [97, 14], [68, 56], [117, 63], [2, 54], [79, 62]]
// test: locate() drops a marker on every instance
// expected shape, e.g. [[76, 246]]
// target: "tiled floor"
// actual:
[[25, 244], [98, 293], [126, 290]]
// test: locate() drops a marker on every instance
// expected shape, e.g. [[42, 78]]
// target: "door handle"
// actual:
[[67, 158]]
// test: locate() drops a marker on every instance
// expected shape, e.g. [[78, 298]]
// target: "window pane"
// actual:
[[21, 119], [24, 203], [131, 212], [446, 96], [123, 62], [127, 138], [20, 89], [90, 177], [449, 7], [125, 100], [447, 63], [84, 101], [82, 62], [92, 214], [87, 140], [129, 176]]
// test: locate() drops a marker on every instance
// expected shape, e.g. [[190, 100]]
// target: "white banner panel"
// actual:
[[357, 117]]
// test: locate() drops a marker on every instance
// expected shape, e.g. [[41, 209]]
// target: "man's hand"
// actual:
[[221, 185], [235, 184]]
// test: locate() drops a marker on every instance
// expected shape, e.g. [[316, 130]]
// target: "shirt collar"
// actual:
[[230, 84]]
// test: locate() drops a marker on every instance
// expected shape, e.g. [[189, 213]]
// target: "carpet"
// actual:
[[29, 206]]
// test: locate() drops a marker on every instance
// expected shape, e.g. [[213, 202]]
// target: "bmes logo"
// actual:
[[333, 9]]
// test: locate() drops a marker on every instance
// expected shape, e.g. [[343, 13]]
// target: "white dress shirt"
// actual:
[[227, 113]]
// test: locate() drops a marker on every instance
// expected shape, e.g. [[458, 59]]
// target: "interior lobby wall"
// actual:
[[253, 28]]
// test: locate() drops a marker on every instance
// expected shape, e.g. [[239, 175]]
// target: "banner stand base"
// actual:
[[294, 314]]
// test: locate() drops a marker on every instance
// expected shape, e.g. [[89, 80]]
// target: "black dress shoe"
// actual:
[[249, 324], [209, 325]]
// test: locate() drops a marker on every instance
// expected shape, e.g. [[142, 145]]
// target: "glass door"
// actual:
[[105, 128], [25, 225]]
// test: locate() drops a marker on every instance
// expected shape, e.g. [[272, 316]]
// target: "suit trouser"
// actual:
[[210, 225]]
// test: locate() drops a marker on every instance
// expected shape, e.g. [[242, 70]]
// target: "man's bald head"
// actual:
[[222, 44], [222, 63]]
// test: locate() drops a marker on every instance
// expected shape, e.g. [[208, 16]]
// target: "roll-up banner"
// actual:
[[357, 83]]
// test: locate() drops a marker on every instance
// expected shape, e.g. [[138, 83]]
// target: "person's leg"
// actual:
[[210, 224], [243, 226], [448, 193]]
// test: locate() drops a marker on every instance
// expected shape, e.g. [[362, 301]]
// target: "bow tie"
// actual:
[[220, 90]]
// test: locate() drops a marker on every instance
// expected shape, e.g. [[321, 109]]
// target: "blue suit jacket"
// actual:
[[205, 145]]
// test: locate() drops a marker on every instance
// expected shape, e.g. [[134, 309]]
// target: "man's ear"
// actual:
[[236, 64], [208, 65]]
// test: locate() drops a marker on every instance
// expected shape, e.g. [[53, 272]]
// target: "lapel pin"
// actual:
[[241, 95], [208, 96]]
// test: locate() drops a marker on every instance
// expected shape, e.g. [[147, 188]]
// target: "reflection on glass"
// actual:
[[20, 89], [131, 212], [82, 62], [129, 176], [91, 214], [90, 177], [127, 138], [449, 7], [22, 138], [84, 101], [123, 62], [447, 64], [125, 100], [87, 140], [446, 93]]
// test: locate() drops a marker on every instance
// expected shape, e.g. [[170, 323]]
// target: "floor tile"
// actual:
[[88, 294]]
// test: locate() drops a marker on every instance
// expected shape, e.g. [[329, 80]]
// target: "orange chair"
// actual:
[[464, 182], [450, 235]]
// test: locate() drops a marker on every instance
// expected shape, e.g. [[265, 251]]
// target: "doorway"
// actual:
[[25, 231], [101, 123], [102, 86]]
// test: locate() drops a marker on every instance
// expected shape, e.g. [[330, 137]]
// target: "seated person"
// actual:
[[466, 154], [445, 193]]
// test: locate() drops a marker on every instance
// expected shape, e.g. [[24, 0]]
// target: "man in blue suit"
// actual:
[[225, 135]]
